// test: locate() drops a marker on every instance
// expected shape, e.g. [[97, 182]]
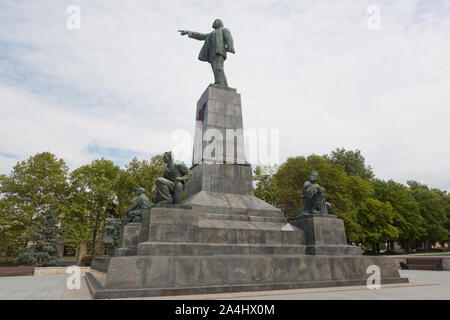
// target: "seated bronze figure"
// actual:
[[313, 197], [169, 188]]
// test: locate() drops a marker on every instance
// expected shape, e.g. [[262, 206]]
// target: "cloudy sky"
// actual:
[[123, 83]]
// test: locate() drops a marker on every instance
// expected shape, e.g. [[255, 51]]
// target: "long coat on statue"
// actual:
[[218, 42]]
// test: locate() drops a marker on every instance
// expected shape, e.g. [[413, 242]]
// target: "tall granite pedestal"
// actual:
[[221, 178], [224, 239]]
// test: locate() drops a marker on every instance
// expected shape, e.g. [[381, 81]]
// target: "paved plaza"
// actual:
[[45, 287], [429, 285]]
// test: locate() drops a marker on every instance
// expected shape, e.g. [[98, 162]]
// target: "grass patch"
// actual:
[[446, 254]]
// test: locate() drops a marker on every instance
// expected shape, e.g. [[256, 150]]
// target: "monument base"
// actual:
[[224, 239], [186, 251], [225, 274]]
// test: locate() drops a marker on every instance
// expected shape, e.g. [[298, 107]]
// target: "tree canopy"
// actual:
[[352, 161], [433, 207], [373, 210], [138, 174], [83, 198], [34, 185], [44, 239], [407, 218], [92, 194]]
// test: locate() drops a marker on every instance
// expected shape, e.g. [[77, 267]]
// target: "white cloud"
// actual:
[[32, 125], [126, 79]]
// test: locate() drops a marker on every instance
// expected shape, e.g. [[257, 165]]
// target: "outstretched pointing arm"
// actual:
[[194, 35]]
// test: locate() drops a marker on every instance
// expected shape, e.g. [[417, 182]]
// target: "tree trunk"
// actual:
[[391, 245], [94, 237]]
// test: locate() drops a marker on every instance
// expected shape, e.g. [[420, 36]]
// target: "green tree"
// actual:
[[34, 185], [371, 211], [446, 204], [357, 191], [352, 197], [138, 174], [376, 219], [266, 188], [283, 188], [44, 239], [11, 232], [407, 218], [92, 196], [295, 171], [352, 162], [432, 207], [289, 180]]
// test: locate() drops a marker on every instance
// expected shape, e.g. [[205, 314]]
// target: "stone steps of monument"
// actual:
[[205, 249], [231, 203], [98, 291], [183, 215], [168, 273]]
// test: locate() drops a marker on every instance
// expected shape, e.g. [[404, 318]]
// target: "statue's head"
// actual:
[[313, 176], [140, 190], [217, 24], [168, 157]]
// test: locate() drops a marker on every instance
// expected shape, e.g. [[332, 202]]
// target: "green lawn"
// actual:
[[431, 254]]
